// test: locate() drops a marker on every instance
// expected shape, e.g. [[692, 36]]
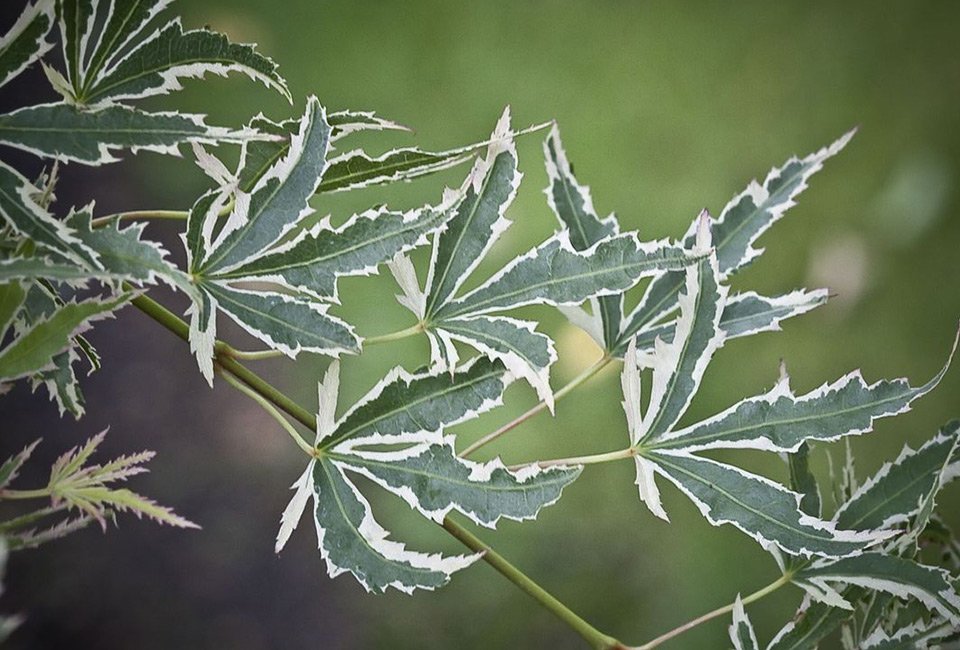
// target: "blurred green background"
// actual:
[[665, 108]]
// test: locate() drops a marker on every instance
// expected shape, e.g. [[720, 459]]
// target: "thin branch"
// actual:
[[394, 336], [592, 459], [599, 365], [139, 215]]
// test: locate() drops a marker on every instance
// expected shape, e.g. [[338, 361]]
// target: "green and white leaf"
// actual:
[[780, 421], [573, 206], [804, 482], [11, 469], [61, 383], [555, 274], [478, 218], [678, 367], [744, 219], [201, 221], [526, 353], [901, 577], [278, 200], [203, 332], [897, 491], [20, 210], [412, 408], [33, 349], [409, 411], [351, 540], [433, 480], [744, 314], [312, 261], [12, 295], [917, 636], [285, 323], [77, 22], [759, 507], [92, 136], [344, 123], [741, 631], [158, 64], [26, 41]]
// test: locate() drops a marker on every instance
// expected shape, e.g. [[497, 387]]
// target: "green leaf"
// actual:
[[279, 200], [352, 540], [761, 508], [741, 630], [26, 41], [34, 349], [901, 577], [90, 136], [573, 205], [744, 219], [20, 210], [555, 274], [158, 64], [895, 493], [314, 259], [433, 480], [284, 322], [401, 405], [780, 421], [477, 219], [743, 315]]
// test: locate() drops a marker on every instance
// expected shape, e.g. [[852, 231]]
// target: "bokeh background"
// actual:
[[665, 108]]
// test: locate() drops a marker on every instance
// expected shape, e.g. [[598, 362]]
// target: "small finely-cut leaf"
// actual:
[[421, 405], [555, 274], [20, 211], [477, 219], [525, 352], [434, 481], [896, 491], [351, 540], [33, 350], [284, 322], [27, 39], [91, 136], [573, 205], [62, 385], [780, 421], [744, 219], [203, 332], [343, 123], [916, 636], [741, 631], [901, 577], [12, 295], [279, 200], [743, 315], [678, 367], [11, 467], [761, 508], [201, 220], [158, 64], [312, 261]]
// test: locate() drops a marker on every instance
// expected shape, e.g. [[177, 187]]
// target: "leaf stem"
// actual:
[[720, 611], [599, 365], [591, 459], [137, 215], [413, 330], [250, 355], [271, 395], [593, 636], [272, 410]]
